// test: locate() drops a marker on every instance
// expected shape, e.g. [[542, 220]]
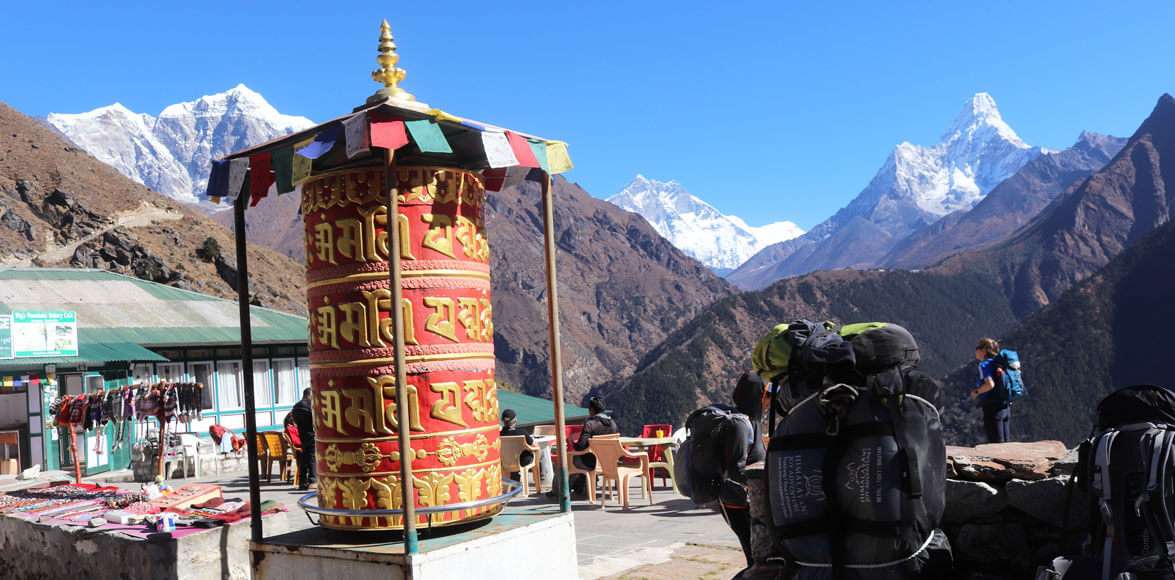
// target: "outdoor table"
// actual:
[[546, 468], [644, 443]]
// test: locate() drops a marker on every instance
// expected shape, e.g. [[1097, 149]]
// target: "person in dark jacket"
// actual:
[[598, 423], [510, 429], [303, 414], [742, 445]]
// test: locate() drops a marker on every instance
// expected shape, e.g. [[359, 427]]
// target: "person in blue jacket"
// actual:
[[997, 410]]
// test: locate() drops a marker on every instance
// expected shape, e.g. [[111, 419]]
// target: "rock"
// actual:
[[970, 500], [1000, 462], [1065, 465], [991, 544], [1045, 500]]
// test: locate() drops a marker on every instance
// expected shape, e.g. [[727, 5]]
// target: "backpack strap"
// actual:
[[1101, 483]]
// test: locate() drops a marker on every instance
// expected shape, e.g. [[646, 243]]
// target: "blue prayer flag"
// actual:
[[322, 144], [218, 179]]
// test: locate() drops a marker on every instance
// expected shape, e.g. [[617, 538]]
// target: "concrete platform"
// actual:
[[533, 541]]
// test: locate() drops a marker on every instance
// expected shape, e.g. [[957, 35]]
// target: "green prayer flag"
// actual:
[[540, 153], [283, 169], [428, 136]]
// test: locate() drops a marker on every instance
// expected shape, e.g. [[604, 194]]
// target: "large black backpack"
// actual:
[[699, 461], [857, 470], [1128, 471]]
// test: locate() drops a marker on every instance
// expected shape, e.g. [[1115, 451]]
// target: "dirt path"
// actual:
[[145, 215]]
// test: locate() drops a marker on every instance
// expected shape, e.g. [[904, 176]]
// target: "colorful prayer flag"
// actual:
[[494, 179], [388, 134], [322, 144], [540, 153], [357, 135], [428, 137], [443, 116], [218, 180], [8, 382], [260, 176], [558, 158], [521, 150], [283, 169], [498, 150], [301, 165], [237, 169]]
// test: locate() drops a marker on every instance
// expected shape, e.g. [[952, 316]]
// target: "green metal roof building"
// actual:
[[133, 331]]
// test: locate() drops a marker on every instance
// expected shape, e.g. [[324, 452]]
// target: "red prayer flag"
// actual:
[[522, 150], [494, 179], [260, 176], [388, 134]]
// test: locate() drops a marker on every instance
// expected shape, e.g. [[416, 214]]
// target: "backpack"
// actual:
[[1010, 385], [699, 460], [1127, 470], [799, 355], [857, 470]]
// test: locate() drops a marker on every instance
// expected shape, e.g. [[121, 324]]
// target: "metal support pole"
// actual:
[[403, 430], [564, 492], [247, 365]]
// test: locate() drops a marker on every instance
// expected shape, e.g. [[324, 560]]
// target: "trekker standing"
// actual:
[[742, 444], [303, 414], [997, 409]]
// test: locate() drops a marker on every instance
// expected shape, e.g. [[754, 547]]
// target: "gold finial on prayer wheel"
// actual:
[[388, 74]]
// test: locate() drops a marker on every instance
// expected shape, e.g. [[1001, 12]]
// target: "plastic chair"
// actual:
[[609, 452], [190, 449], [206, 453], [275, 452], [512, 448], [657, 460]]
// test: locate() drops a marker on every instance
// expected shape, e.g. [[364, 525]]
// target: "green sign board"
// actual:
[[44, 334], [5, 336]]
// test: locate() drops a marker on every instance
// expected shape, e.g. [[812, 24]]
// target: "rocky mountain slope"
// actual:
[[1082, 231], [1009, 206], [700, 361], [61, 207], [1102, 334], [915, 187], [172, 153], [719, 241]]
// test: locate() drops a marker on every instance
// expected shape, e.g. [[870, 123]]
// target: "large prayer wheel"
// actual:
[[448, 335]]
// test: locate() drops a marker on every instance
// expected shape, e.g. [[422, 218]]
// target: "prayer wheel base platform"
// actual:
[[523, 541]]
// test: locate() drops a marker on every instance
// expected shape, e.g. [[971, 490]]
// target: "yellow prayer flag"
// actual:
[[301, 165], [557, 158], [215, 200], [443, 116]]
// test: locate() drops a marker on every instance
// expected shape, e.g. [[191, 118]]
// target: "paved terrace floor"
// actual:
[[670, 540]]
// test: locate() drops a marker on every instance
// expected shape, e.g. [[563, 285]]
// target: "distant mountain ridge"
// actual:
[[915, 187], [173, 153], [1009, 206], [1080, 232], [720, 241]]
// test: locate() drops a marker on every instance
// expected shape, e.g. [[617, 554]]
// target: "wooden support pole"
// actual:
[[562, 486], [162, 440], [247, 365], [403, 431]]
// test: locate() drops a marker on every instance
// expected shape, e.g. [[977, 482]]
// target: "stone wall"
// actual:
[[1006, 506]]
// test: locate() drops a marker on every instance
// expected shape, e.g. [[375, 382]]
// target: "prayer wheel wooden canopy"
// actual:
[[448, 344]]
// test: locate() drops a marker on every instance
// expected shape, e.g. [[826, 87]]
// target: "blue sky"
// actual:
[[769, 110]]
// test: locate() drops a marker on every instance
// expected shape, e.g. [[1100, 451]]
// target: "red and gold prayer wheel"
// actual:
[[448, 336]]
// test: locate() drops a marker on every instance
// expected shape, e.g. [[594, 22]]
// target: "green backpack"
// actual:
[[773, 352]]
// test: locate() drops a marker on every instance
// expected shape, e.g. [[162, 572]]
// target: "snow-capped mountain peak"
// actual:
[[975, 154], [696, 227], [173, 153]]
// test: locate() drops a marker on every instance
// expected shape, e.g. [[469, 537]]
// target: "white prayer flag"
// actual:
[[357, 135], [237, 168], [498, 150]]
